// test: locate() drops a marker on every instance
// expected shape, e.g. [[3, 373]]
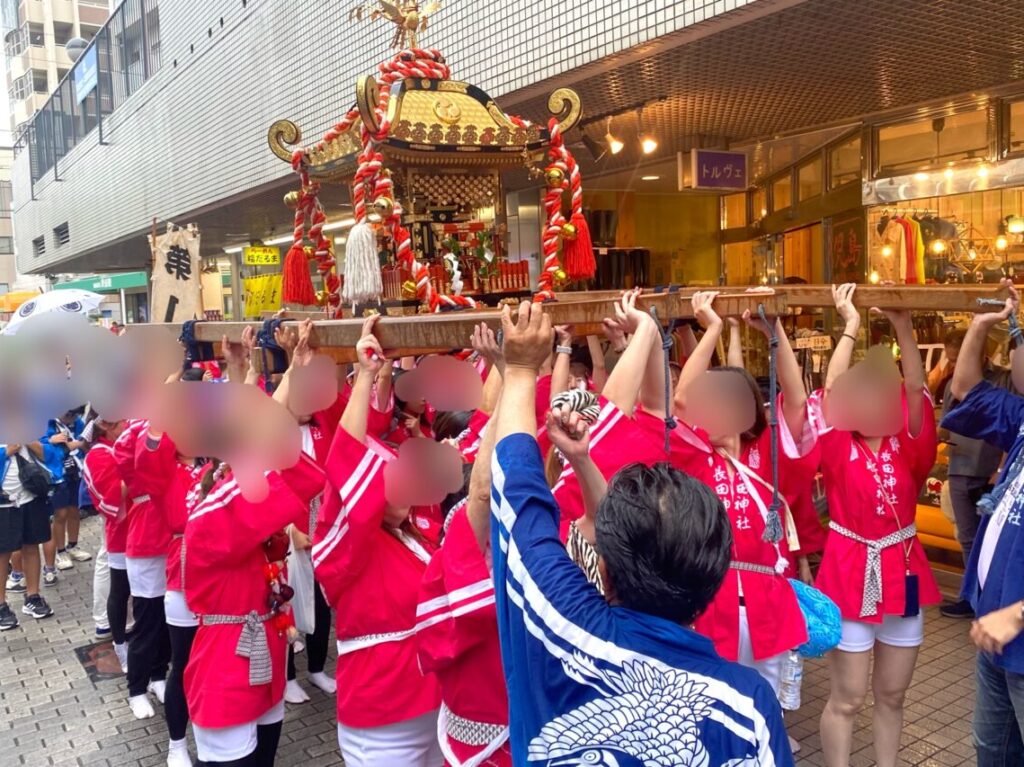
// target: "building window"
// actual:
[[1015, 122], [61, 235], [844, 163], [88, 32], [61, 74], [5, 199], [21, 88], [808, 178], [734, 211], [760, 203], [40, 82], [39, 246], [36, 35], [15, 43], [782, 191], [929, 143], [62, 33], [6, 246]]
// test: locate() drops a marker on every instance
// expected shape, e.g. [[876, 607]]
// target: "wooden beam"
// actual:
[[936, 298], [426, 333]]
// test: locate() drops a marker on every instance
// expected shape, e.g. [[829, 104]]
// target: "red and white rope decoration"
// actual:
[[555, 220]]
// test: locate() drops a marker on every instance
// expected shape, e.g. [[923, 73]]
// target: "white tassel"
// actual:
[[362, 266]]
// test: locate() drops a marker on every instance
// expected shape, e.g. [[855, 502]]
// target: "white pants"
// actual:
[[769, 668], [894, 630], [412, 743], [100, 588], [228, 744]]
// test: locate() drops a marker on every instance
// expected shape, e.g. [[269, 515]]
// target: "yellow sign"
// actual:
[[262, 294], [261, 256]]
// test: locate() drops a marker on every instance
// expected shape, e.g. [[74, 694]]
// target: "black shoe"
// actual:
[[961, 610], [8, 620], [36, 606]]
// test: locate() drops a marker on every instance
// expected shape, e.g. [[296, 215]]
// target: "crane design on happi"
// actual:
[[409, 18]]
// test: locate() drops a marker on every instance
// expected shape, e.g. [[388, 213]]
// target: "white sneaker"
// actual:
[[79, 555], [177, 754], [63, 561], [121, 651], [158, 689], [293, 692], [16, 583], [324, 682], [794, 745], [49, 576], [141, 707]]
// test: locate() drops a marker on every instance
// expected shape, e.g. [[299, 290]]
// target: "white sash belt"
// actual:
[[347, 646]]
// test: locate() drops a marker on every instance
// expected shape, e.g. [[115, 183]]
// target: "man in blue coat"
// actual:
[[994, 579]]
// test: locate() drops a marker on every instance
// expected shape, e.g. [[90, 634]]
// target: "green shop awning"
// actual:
[[106, 283]]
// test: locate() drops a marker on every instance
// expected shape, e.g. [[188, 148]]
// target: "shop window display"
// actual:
[[809, 180], [782, 192]]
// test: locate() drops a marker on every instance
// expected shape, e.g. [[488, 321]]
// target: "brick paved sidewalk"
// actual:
[[52, 713]]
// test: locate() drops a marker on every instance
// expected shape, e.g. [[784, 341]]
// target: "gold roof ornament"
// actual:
[[408, 18]]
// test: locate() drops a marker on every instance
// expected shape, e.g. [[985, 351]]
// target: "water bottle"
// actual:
[[791, 680]]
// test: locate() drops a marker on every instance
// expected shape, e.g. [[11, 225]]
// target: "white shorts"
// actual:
[[116, 561], [412, 743], [769, 668], [147, 576], [177, 612], [226, 744], [894, 630]]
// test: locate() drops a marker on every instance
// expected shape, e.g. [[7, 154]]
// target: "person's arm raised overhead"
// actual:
[[791, 382], [486, 345], [913, 368], [370, 358], [563, 359], [842, 355], [623, 387], [699, 362], [570, 433], [600, 371], [734, 354], [968, 372]]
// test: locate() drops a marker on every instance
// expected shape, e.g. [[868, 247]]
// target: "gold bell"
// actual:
[[308, 251], [291, 200], [568, 231], [321, 298], [561, 277], [384, 207], [554, 177], [409, 289]]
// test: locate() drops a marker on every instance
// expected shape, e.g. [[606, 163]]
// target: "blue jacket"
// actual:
[[54, 455], [996, 416], [5, 461]]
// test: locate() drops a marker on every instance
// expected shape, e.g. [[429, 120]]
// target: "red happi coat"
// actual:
[[457, 635], [168, 482], [856, 502], [103, 480], [224, 575], [470, 440], [148, 533], [371, 577], [616, 440], [773, 615]]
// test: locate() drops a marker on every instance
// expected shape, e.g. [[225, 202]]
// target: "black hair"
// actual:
[[760, 417], [451, 423], [665, 539], [192, 374], [452, 499]]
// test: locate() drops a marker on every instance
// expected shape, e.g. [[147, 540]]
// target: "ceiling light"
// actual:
[[649, 178], [1015, 224], [939, 247], [887, 251], [1001, 242], [614, 145], [983, 171], [948, 173], [232, 251], [280, 240], [648, 143], [920, 176], [345, 223], [874, 278]]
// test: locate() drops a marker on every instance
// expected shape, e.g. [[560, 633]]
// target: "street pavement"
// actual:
[[54, 712]]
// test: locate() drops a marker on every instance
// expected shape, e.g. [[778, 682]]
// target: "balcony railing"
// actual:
[[123, 55]]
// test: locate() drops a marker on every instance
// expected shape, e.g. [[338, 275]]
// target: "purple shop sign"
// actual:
[[719, 170]]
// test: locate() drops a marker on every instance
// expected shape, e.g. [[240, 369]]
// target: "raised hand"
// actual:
[[626, 313], [569, 432], [485, 344], [368, 350], [703, 309], [303, 354], [527, 342], [842, 296]]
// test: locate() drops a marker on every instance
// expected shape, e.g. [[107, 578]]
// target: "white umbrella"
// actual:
[[70, 301]]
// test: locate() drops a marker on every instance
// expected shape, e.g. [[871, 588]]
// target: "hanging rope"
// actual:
[[773, 525], [1015, 332], [666, 349]]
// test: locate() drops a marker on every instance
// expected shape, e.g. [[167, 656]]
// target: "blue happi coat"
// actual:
[[602, 686], [996, 415]]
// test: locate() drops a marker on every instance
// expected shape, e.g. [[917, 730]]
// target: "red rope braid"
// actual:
[[555, 221], [309, 208]]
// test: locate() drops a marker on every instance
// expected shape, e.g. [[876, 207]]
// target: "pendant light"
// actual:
[[614, 145], [648, 143]]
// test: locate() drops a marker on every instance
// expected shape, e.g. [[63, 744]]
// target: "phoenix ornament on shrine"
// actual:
[[409, 18]]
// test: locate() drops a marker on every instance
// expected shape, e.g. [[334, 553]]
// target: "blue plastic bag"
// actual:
[[824, 621]]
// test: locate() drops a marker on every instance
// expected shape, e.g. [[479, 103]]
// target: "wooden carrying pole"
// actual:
[[426, 333], [430, 333]]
